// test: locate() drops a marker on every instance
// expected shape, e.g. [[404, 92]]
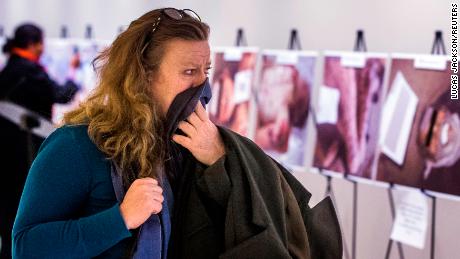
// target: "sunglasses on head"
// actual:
[[171, 13]]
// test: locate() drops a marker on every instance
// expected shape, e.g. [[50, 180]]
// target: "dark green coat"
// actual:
[[237, 208]]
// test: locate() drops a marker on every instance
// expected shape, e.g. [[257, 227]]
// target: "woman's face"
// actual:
[[185, 64]]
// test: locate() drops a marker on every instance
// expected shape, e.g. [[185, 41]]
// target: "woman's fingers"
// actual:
[[183, 141], [187, 128], [201, 112], [194, 120]]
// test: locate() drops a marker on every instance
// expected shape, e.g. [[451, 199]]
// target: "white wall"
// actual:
[[390, 26]]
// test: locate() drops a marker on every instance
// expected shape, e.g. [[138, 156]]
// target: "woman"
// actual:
[[25, 85], [69, 206], [145, 140], [25, 82]]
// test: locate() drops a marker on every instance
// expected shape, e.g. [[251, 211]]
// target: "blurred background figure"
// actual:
[[25, 86]]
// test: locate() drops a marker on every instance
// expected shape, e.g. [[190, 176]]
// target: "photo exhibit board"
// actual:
[[420, 130], [348, 110], [57, 58], [282, 99], [232, 82]]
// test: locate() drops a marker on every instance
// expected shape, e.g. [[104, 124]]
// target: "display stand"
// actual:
[[360, 46], [89, 32], [438, 44], [393, 216], [437, 49], [355, 213], [64, 32], [121, 29], [330, 191], [360, 43], [433, 222], [240, 38], [294, 42]]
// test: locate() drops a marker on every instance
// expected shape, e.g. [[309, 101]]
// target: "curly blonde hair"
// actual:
[[123, 120]]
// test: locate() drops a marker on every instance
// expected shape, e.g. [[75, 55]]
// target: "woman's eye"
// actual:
[[189, 72], [207, 70]]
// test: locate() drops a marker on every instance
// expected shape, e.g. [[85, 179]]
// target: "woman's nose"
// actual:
[[200, 78]]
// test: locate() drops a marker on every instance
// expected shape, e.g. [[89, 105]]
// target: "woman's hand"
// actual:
[[143, 198], [202, 137]]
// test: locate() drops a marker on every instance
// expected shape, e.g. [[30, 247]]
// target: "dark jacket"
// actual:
[[248, 206], [26, 83]]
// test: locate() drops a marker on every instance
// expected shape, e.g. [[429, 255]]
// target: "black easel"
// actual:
[[437, 49], [360, 43], [433, 221], [355, 213], [360, 46], [438, 44], [294, 42], [64, 32], [89, 32], [240, 38], [121, 29], [393, 216]]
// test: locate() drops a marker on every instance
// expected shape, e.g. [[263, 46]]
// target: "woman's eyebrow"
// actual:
[[193, 64]]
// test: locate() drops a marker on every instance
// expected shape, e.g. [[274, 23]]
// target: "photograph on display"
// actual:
[[283, 99], [420, 129], [348, 110], [58, 55], [232, 82]]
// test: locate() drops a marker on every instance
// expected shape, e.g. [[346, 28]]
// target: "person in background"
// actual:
[[24, 84]]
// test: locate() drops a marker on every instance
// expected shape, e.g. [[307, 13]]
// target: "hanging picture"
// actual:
[[232, 84], [57, 57], [420, 129], [348, 112], [283, 99]]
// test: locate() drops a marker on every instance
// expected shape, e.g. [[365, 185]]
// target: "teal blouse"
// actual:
[[68, 208]]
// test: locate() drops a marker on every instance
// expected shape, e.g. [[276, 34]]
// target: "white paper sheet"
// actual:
[[242, 86], [397, 117], [434, 62], [233, 54], [328, 105], [411, 223], [355, 60], [287, 58]]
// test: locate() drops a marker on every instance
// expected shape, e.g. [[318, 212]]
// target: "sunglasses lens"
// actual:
[[192, 14], [173, 13]]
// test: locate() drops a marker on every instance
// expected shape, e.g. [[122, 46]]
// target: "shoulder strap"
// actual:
[[117, 182]]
